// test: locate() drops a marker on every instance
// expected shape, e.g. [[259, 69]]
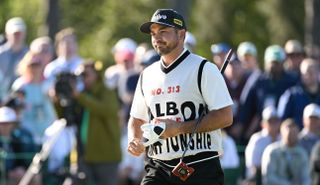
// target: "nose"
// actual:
[[156, 37]]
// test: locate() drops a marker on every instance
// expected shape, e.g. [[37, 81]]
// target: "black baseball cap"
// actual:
[[166, 17]]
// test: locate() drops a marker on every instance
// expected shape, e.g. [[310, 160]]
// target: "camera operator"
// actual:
[[99, 130], [66, 107]]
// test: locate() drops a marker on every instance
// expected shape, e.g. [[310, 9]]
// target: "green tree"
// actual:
[[100, 24], [234, 21], [31, 11]]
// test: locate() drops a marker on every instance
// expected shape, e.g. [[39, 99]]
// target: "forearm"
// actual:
[[134, 130], [135, 146], [215, 119]]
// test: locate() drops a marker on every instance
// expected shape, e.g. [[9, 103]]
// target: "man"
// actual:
[[247, 53], [259, 141], [68, 59], [295, 55], [267, 89], [219, 52], [117, 76], [296, 98], [285, 162], [175, 94], [57, 71], [310, 133], [99, 131], [11, 53], [248, 56], [236, 78]]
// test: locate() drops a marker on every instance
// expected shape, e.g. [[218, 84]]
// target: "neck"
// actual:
[[172, 56], [67, 56], [34, 78], [16, 47], [273, 137]]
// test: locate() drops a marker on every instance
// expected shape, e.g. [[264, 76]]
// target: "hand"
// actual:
[[152, 132], [135, 147]]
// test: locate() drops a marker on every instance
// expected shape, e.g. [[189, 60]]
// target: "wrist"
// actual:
[[171, 130]]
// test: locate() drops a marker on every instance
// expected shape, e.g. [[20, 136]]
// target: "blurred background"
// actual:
[[100, 23], [88, 71]]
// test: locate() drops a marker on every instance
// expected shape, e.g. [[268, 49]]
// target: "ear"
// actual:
[[182, 34]]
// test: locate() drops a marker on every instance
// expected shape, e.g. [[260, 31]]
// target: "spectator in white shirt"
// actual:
[[285, 162], [229, 158], [259, 141]]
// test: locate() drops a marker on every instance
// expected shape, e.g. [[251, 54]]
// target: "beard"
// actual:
[[163, 48]]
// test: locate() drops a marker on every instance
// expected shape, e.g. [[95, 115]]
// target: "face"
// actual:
[[309, 75], [289, 134], [5, 129], [89, 77], [35, 68], [16, 38], [46, 53], [166, 39], [219, 58], [294, 60], [248, 62], [312, 123], [67, 47], [273, 126], [274, 68]]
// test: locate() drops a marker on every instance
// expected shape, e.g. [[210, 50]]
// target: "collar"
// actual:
[[175, 63]]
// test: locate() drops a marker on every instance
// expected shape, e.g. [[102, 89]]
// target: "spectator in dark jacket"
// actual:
[[293, 101], [267, 90], [14, 140]]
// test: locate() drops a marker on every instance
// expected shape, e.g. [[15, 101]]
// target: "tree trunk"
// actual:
[[312, 23], [181, 6], [52, 19]]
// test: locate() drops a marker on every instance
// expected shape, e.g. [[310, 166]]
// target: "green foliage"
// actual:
[[31, 11], [285, 19], [234, 21], [100, 23]]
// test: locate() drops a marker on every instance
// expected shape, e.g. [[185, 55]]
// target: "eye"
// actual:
[[163, 31]]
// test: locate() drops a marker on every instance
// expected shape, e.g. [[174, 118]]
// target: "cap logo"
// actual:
[[158, 16], [178, 22]]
